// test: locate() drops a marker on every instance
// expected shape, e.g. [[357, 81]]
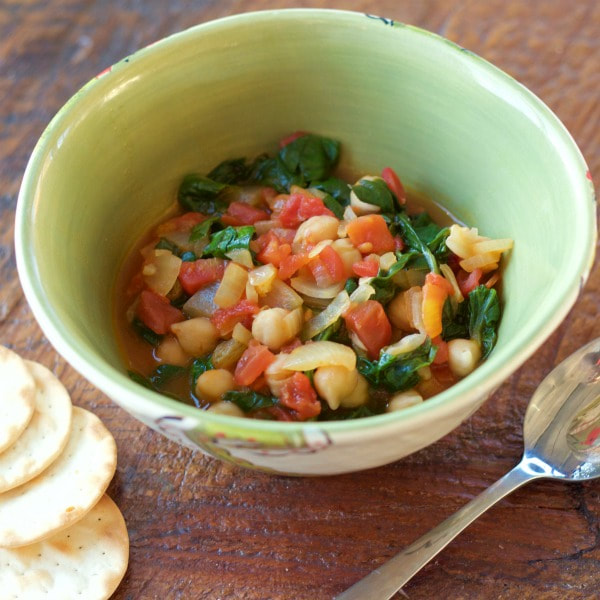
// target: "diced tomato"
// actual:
[[260, 384], [290, 264], [288, 139], [225, 319], [366, 268], [443, 374], [185, 222], [327, 267], [467, 282], [194, 275], [136, 285], [371, 229], [298, 394], [370, 323], [295, 343], [399, 243], [393, 182], [441, 355], [252, 364], [435, 292], [156, 312], [271, 249], [300, 207], [280, 413], [240, 213]]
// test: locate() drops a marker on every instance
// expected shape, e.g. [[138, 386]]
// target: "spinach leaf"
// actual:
[[202, 229], [164, 373], [375, 192], [351, 285], [201, 194], [413, 241], [399, 372], [249, 400], [140, 379], [383, 283], [199, 366], [165, 244], [431, 234], [336, 332], [272, 172], [455, 320], [310, 156], [342, 415], [336, 188], [188, 256], [146, 333], [230, 238], [484, 309], [230, 171], [334, 206], [158, 377]]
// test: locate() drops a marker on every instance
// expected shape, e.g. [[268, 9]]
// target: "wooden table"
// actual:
[[203, 529]]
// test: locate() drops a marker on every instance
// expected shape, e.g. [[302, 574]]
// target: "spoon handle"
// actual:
[[386, 580]]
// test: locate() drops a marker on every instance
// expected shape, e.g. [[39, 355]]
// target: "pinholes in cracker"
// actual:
[[66, 490], [86, 560], [17, 398], [44, 437]]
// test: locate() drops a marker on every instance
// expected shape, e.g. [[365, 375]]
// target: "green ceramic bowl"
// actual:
[[456, 128]]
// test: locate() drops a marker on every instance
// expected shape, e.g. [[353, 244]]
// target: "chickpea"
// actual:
[[334, 384], [403, 400], [463, 356], [226, 408], [315, 230], [359, 395], [360, 207], [170, 351], [197, 336], [348, 253], [211, 385], [270, 328]]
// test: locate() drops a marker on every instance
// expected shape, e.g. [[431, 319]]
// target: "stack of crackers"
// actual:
[[60, 535]]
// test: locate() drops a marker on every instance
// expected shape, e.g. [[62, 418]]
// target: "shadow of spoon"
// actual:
[[561, 433]]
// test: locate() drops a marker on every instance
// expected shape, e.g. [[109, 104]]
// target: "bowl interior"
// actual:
[[452, 126]]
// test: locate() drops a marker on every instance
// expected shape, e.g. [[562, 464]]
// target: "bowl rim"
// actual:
[[495, 370]]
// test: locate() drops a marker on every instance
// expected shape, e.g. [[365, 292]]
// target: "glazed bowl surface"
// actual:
[[456, 129]]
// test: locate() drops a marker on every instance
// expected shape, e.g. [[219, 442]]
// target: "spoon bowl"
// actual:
[[562, 423], [561, 433]]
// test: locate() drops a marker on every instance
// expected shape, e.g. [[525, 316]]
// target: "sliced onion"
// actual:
[[319, 247], [362, 293], [241, 334], [265, 226], [349, 214], [233, 286], [262, 278], [311, 289], [241, 256], [329, 316], [320, 354], [281, 295], [227, 353], [486, 262], [202, 303], [448, 273], [407, 344], [160, 273]]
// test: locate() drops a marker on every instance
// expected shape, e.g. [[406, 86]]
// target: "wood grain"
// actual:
[[203, 529]]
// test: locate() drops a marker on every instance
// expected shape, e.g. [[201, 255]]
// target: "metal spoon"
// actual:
[[561, 434]]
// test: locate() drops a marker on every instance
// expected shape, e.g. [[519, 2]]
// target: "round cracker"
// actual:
[[17, 397], [46, 435], [66, 490], [87, 560]]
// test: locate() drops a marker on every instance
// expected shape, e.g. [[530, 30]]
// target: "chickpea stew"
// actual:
[[280, 291]]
